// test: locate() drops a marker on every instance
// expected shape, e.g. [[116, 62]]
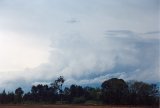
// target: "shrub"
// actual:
[[79, 100]]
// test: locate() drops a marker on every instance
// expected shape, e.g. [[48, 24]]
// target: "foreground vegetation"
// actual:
[[73, 106], [113, 91]]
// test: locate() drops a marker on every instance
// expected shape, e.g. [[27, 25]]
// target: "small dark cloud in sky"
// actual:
[[119, 33], [153, 32], [72, 21]]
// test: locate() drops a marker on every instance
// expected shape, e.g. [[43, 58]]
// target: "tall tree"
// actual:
[[18, 95], [114, 91], [142, 93], [57, 84], [3, 97]]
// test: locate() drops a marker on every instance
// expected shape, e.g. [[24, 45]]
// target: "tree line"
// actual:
[[113, 91]]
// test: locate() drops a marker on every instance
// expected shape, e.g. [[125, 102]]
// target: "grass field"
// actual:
[[66, 106]]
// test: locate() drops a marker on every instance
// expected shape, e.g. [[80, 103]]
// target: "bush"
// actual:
[[79, 100], [93, 102]]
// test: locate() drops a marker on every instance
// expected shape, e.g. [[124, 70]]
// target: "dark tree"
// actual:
[[28, 98], [114, 91], [141, 93], [34, 93], [3, 97], [10, 97], [92, 93], [57, 85], [18, 95], [77, 94], [67, 97], [76, 91]]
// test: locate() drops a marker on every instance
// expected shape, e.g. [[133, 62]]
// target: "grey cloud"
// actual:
[[153, 32], [73, 20], [91, 61], [79, 59], [151, 35], [12, 84], [122, 35], [81, 51]]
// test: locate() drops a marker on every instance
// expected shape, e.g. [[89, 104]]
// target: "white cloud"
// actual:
[[18, 53], [85, 41]]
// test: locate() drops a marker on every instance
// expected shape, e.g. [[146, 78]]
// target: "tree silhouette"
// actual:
[[114, 91], [57, 84], [18, 95], [142, 93]]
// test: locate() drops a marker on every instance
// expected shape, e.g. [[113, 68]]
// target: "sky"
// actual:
[[86, 41]]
